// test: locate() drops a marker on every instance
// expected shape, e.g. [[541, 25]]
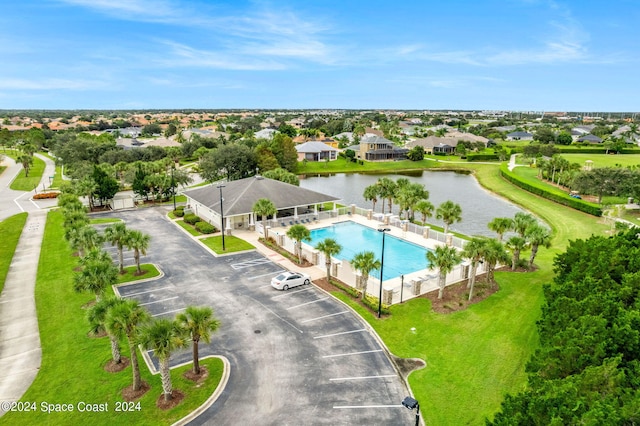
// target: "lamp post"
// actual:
[[173, 188], [383, 230], [412, 403], [221, 216]]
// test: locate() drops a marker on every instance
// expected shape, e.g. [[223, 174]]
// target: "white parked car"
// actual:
[[287, 280]]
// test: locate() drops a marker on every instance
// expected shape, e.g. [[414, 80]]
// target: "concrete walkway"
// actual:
[[20, 351]]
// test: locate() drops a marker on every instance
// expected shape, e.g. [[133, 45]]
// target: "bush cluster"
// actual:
[[563, 199], [45, 195], [191, 219], [205, 228], [351, 291], [372, 303], [178, 212], [482, 157]]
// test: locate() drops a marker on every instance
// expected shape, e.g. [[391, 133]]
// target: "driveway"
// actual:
[[297, 357]]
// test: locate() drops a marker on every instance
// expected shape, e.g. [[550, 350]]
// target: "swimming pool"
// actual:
[[400, 256]]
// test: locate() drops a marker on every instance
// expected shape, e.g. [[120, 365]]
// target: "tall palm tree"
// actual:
[[492, 254], [371, 193], [386, 190], [264, 207], [299, 233], [443, 258], [27, 161], [139, 243], [163, 336], [537, 236], [117, 235], [199, 322], [365, 262], [449, 212], [522, 221], [425, 208], [122, 321], [516, 244], [95, 277], [473, 251], [500, 225], [73, 221], [85, 238], [329, 247], [97, 315]]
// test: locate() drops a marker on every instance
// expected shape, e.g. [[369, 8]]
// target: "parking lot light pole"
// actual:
[[383, 230], [173, 188], [221, 216], [412, 403]]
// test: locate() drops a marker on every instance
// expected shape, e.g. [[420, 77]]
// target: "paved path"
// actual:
[[20, 351]]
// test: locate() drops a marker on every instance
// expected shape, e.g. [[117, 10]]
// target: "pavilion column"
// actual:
[[252, 222], [295, 212]]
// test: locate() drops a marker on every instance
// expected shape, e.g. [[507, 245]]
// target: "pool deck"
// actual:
[[426, 276]]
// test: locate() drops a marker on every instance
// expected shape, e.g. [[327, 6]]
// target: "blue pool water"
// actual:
[[400, 256]]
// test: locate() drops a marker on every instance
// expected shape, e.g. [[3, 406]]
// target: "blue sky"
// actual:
[[493, 54]]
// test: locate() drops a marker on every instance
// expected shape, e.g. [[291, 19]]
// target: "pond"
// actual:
[[479, 206]]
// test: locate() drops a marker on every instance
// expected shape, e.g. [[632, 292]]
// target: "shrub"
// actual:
[[180, 208], [45, 195], [191, 218], [372, 303], [482, 157], [178, 212], [353, 292], [205, 228], [563, 199]]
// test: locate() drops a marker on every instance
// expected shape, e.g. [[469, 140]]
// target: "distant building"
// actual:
[[377, 148], [316, 151], [519, 136]]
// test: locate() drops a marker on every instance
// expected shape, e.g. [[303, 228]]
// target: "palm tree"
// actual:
[[264, 207], [139, 243], [97, 315], [449, 212], [73, 221], [117, 234], [500, 225], [365, 262], [163, 336], [444, 258], [493, 253], [537, 236], [122, 321], [371, 193], [299, 233], [425, 208], [473, 251], [85, 238], [26, 160], [386, 190], [522, 221], [199, 323], [96, 275], [516, 244], [329, 247]]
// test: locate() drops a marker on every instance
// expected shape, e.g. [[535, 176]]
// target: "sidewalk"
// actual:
[[20, 352]]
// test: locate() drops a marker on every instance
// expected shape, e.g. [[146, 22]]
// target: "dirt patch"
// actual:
[[271, 244], [128, 394], [197, 378], [112, 367], [407, 365], [456, 296], [88, 304], [97, 335], [176, 398], [139, 274]]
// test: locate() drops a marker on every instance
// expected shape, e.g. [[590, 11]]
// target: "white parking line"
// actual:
[[324, 316], [340, 334], [366, 406], [264, 275], [308, 303], [269, 310], [146, 291], [287, 293], [168, 312], [158, 301], [386, 376], [352, 353]]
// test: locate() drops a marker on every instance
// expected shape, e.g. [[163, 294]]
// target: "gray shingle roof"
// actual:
[[239, 196], [313, 147]]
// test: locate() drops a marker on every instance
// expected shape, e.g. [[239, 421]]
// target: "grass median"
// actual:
[[72, 363], [10, 229]]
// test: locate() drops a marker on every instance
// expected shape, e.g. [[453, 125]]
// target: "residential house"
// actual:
[[316, 151], [589, 139], [377, 148], [519, 136]]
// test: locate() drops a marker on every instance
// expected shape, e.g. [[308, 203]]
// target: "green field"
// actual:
[[604, 160], [72, 362], [10, 229], [232, 244]]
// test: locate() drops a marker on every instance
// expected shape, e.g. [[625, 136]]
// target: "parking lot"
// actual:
[[297, 357]]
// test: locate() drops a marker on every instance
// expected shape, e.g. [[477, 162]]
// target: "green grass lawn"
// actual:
[[190, 229], [342, 166], [150, 271], [29, 183], [72, 363], [100, 220], [604, 160], [10, 229], [231, 244]]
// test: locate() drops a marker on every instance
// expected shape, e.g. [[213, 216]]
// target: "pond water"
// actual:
[[479, 206]]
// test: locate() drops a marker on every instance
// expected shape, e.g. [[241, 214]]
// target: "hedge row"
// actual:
[[191, 219], [45, 195], [205, 228], [482, 157], [563, 199]]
